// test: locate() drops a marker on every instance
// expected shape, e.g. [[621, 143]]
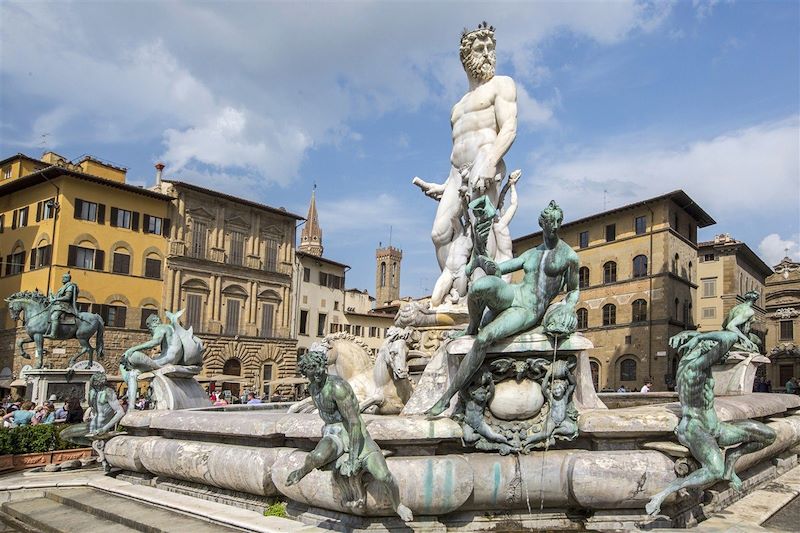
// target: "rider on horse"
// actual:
[[63, 301]]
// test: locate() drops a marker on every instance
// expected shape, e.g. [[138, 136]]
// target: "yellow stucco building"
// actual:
[[56, 216]]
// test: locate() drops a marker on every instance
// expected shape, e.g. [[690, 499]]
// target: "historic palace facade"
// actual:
[[782, 303], [638, 283]]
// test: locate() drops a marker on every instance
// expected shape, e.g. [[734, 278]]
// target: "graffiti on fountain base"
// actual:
[[517, 405]]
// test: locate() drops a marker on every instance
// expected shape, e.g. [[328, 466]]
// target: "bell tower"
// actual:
[[387, 274], [311, 235]]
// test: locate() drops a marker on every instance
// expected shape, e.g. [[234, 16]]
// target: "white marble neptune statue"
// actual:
[[484, 125]]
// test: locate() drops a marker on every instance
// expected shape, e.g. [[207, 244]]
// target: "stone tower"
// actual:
[[387, 274], [311, 235]]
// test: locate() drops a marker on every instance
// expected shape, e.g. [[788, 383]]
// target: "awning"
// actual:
[[287, 381], [18, 383], [222, 378]]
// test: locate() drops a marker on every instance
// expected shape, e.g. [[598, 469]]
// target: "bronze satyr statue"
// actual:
[[715, 445], [346, 446]]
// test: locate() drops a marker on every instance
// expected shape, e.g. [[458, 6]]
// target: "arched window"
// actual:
[[394, 275], [609, 314], [675, 264], [383, 274], [583, 277], [583, 318], [627, 370], [677, 308], [232, 367], [610, 272], [594, 366], [639, 308], [640, 266], [690, 271]]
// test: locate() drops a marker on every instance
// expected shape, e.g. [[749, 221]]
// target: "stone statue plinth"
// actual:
[[174, 387], [64, 383], [512, 394], [737, 374]]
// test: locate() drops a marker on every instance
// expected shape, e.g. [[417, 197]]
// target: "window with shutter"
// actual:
[[194, 311], [99, 259], [146, 313], [152, 268], [135, 221], [271, 262], [38, 211], [121, 263], [199, 239], [232, 317], [267, 315], [101, 214]]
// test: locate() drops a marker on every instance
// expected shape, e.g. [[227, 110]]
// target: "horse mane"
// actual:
[[344, 336], [35, 296]]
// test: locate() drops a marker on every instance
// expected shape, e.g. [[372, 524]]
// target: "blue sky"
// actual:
[[265, 99]]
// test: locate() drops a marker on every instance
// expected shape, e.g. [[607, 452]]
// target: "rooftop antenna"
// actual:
[[390, 236], [43, 141]]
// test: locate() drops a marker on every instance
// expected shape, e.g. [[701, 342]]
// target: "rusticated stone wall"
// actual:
[[251, 352]]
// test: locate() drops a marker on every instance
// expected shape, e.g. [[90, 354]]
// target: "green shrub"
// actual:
[[276, 509], [33, 439]]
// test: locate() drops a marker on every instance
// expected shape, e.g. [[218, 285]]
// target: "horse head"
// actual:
[[394, 351], [17, 303]]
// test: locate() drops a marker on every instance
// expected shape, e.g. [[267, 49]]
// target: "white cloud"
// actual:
[[773, 248], [225, 91], [725, 174]]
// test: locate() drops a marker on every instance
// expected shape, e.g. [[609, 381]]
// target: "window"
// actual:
[[374, 332], [394, 274], [40, 257], [321, 324], [323, 279], [357, 330], [2, 223], [199, 238], [640, 225], [787, 330], [83, 307], [121, 218], [383, 274], [113, 315], [152, 268], [583, 239], [610, 272], [87, 258], [7, 173], [19, 218], [121, 263], [267, 373], [232, 317], [583, 277], [628, 339], [336, 305], [709, 312], [90, 211], [15, 263], [146, 313], [611, 232], [627, 370], [709, 257], [639, 311], [45, 209], [609, 314], [271, 262], [267, 315], [237, 248], [677, 308], [155, 225], [194, 311], [306, 274], [675, 264], [303, 322], [640, 266], [709, 287], [689, 273], [583, 318]]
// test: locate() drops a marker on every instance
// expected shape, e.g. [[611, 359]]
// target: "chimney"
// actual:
[[159, 167]]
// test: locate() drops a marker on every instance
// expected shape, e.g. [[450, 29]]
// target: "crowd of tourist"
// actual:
[[25, 413]]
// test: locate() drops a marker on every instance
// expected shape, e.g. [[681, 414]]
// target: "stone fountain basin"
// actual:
[[615, 464]]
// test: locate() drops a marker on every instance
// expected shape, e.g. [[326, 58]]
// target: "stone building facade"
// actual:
[[230, 267], [727, 269], [638, 283], [387, 274], [782, 307]]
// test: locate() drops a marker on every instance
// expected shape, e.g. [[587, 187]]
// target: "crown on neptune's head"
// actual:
[[483, 27]]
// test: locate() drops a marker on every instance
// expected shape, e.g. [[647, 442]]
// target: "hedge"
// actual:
[[33, 439]]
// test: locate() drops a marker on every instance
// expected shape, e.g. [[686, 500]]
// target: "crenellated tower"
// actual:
[[387, 274]]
